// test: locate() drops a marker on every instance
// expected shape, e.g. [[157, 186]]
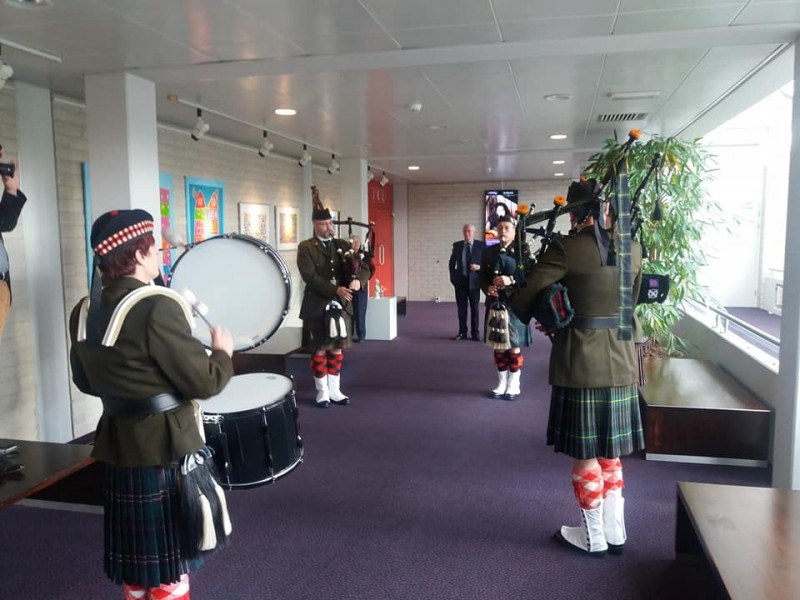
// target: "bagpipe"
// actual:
[[354, 261], [553, 309]]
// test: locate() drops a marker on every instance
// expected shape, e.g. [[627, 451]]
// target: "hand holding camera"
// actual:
[[10, 175]]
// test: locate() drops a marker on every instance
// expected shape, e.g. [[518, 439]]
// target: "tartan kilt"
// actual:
[[315, 337], [595, 423], [142, 540]]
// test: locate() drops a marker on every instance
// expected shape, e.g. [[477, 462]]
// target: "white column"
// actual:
[[354, 192], [44, 275], [786, 458], [123, 144], [400, 232]]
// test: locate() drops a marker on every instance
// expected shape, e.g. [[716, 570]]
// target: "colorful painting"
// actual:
[[287, 225], [205, 201], [254, 220], [166, 211]]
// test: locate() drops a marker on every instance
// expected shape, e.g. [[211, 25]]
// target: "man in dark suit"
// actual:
[[465, 261]]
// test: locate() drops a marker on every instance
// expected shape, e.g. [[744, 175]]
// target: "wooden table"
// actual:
[[45, 464], [750, 536]]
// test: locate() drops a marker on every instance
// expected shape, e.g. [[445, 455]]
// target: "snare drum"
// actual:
[[244, 283], [252, 427]]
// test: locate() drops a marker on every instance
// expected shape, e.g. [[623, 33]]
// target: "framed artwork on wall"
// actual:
[[287, 227], [166, 212], [255, 221], [205, 202]]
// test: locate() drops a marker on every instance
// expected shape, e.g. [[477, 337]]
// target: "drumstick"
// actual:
[[198, 308]]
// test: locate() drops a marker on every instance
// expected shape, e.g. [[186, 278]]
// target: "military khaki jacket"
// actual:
[[155, 353], [323, 270], [583, 358]]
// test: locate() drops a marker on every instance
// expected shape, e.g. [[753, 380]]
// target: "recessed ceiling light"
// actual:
[[557, 97], [558, 174], [285, 112], [488, 169], [558, 136], [30, 4], [558, 162], [413, 167], [436, 126]]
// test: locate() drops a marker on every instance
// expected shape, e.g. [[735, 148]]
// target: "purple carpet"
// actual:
[[422, 488]]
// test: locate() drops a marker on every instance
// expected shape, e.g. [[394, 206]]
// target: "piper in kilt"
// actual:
[[500, 277], [327, 306], [132, 346], [594, 408]]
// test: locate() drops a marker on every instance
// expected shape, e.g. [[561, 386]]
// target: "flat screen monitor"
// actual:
[[498, 203]]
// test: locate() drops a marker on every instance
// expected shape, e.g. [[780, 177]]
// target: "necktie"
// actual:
[[467, 259]]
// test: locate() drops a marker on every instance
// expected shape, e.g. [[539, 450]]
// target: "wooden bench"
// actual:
[[695, 412], [750, 537]]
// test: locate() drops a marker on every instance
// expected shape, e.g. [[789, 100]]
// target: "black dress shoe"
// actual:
[[343, 402], [324, 404], [475, 338], [460, 337]]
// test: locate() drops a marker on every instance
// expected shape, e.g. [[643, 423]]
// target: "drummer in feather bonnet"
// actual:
[[327, 307]]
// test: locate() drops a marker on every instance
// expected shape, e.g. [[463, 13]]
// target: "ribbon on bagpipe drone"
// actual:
[[552, 308]]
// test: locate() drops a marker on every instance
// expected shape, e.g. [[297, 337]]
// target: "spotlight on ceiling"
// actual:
[[370, 175], [384, 180], [306, 158], [334, 166], [266, 146], [200, 128]]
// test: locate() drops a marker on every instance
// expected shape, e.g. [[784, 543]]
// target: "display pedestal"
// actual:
[[382, 318]]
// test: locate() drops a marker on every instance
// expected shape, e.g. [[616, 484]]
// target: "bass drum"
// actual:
[[252, 428], [244, 283]]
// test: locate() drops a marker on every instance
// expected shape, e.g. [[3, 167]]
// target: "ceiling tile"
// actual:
[[675, 19], [769, 12], [418, 14], [556, 28], [518, 10], [455, 35]]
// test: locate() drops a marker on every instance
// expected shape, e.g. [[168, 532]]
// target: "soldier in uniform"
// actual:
[[500, 279], [594, 407], [327, 306], [132, 346]]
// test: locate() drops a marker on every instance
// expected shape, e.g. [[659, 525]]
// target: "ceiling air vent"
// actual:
[[619, 117]]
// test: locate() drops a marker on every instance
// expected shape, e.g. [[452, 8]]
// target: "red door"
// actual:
[[380, 213]]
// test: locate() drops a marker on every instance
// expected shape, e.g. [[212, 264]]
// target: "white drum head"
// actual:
[[246, 392], [244, 283]]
